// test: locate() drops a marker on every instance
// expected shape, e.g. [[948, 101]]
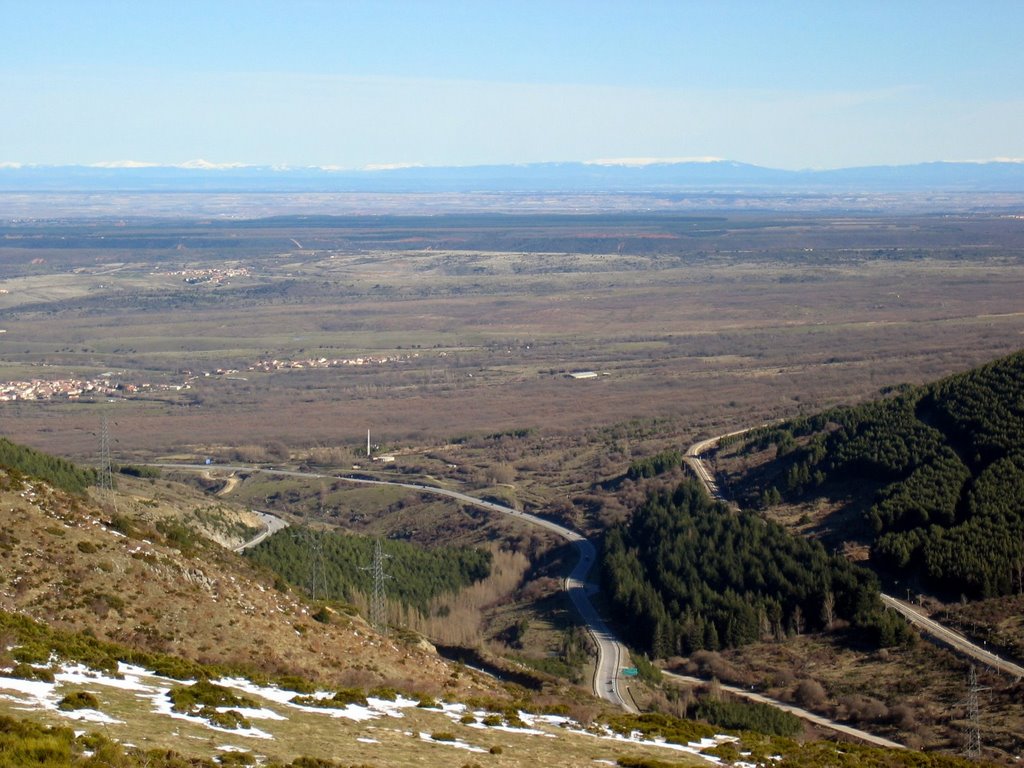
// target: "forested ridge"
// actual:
[[58, 472], [686, 572], [949, 458], [337, 566]]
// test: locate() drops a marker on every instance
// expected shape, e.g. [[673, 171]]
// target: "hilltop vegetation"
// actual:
[[337, 565], [686, 573], [58, 472], [947, 460]]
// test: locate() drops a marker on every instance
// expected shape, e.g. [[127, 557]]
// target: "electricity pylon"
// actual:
[[106, 468], [379, 600], [973, 747]]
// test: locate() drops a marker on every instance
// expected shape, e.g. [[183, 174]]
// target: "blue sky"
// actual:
[[354, 84]]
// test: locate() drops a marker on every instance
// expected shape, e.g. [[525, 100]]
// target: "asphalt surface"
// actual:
[[953, 639], [803, 714], [610, 652], [272, 524]]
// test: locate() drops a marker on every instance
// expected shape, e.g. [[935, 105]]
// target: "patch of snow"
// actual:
[[270, 693], [81, 674], [694, 748], [91, 716], [457, 743], [392, 708], [43, 692], [366, 740], [355, 712], [480, 725]]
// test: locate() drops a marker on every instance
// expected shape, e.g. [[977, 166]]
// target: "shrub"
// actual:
[[861, 709], [348, 696], [134, 471], [24, 743], [205, 694], [78, 700], [748, 716], [339, 700], [31, 653], [28, 672], [122, 525], [295, 683], [178, 535], [442, 736], [645, 762], [810, 693], [237, 758], [230, 719]]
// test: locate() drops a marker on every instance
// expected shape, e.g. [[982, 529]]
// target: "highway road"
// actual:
[[915, 616], [610, 652], [953, 639], [803, 714]]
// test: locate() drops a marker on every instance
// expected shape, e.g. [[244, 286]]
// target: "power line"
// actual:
[[106, 468], [973, 746], [379, 600]]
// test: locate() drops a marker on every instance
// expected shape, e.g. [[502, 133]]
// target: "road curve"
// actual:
[[273, 524], [927, 625], [803, 714], [610, 652], [953, 639], [693, 454]]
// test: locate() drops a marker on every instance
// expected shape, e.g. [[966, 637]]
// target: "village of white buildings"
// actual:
[[105, 386], [323, 362], [74, 389], [214, 275]]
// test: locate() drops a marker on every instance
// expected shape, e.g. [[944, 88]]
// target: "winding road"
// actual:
[[915, 616], [272, 524], [610, 652], [803, 714]]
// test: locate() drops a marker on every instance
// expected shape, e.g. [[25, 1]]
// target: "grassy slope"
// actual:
[[65, 563]]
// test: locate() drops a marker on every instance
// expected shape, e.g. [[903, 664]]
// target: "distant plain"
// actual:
[[707, 322]]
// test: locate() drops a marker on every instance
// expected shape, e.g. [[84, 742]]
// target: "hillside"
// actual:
[[119, 610], [686, 574], [930, 478], [139, 574]]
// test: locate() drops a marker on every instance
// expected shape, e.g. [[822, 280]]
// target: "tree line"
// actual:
[[58, 472], [336, 566], [686, 573], [947, 460]]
